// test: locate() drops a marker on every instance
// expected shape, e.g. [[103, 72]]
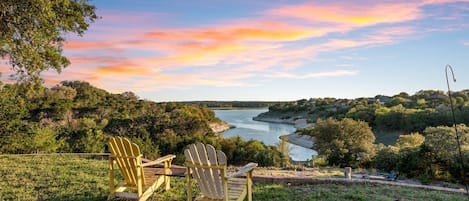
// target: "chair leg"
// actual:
[[167, 165], [111, 179], [189, 185], [249, 183]]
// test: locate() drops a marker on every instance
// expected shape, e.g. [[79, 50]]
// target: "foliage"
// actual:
[[241, 152], [410, 141], [77, 117], [433, 157], [33, 33], [15, 132], [387, 158], [318, 161], [284, 149], [401, 112], [45, 141], [442, 150], [344, 143]]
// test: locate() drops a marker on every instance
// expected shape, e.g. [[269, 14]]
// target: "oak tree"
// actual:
[[33, 31], [344, 143]]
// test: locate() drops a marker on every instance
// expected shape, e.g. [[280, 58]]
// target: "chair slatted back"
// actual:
[[208, 168], [128, 158]]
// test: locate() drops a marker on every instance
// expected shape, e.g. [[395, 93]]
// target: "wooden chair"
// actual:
[[208, 168], [137, 173]]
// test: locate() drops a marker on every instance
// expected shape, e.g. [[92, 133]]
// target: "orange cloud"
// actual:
[[354, 15], [87, 45], [240, 31], [125, 68], [248, 33], [51, 81]]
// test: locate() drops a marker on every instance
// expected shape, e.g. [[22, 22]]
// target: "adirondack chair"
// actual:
[[137, 171], [208, 167]]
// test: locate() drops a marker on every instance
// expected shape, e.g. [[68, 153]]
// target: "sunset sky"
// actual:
[[270, 50]]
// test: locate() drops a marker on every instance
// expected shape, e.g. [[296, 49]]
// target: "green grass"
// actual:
[[72, 177], [57, 177]]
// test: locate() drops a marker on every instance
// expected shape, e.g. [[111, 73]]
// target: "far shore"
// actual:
[[236, 108], [274, 120]]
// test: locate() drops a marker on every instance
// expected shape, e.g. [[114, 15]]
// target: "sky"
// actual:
[[275, 50]]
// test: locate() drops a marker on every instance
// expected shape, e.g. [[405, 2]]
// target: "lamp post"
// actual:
[[461, 159]]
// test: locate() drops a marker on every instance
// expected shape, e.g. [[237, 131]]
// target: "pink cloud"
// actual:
[[442, 1], [351, 14], [230, 52]]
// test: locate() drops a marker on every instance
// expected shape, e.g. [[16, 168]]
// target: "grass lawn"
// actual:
[[72, 177]]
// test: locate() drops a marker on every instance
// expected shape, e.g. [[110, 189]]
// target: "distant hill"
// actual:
[[234, 104], [401, 112]]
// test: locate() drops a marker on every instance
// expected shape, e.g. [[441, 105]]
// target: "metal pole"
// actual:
[[461, 159]]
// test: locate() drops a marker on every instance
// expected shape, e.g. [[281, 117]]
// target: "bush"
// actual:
[[386, 158]]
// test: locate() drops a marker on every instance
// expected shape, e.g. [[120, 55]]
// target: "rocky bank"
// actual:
[[220, 127]]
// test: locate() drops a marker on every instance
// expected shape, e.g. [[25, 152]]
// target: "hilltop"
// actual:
[[402, 113]]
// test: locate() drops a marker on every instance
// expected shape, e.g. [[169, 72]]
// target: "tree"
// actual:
[[32, 33], [285, 149], [442, 141], [441, 147], [45, 140], [410, 141], [13, 129], [345, 143]]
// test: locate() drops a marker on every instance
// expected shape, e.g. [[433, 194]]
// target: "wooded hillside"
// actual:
[[77, 117], [403, 112]]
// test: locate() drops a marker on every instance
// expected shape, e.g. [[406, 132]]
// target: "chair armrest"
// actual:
[[243, 170], [158, 161]]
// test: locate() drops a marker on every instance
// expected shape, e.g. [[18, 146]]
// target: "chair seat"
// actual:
[[236, 188], [152, 175]]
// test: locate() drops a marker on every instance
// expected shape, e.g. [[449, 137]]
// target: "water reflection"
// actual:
[[268, 133]]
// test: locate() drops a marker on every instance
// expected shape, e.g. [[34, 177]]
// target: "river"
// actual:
[[268, 133]]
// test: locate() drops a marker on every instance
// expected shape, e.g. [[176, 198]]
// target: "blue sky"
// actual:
[[270, 50]]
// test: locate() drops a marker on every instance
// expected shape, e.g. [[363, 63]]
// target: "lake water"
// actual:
[[268, 133]]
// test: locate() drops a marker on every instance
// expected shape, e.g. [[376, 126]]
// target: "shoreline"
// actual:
[[273, 120], [292, 138], [297, 122], [300, 140], [220, 127]]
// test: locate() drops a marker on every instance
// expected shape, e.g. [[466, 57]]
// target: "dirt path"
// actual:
[[301, 180]]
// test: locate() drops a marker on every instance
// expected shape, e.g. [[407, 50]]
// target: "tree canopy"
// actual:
[[77, 117], [345, 143], [32, 33]]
